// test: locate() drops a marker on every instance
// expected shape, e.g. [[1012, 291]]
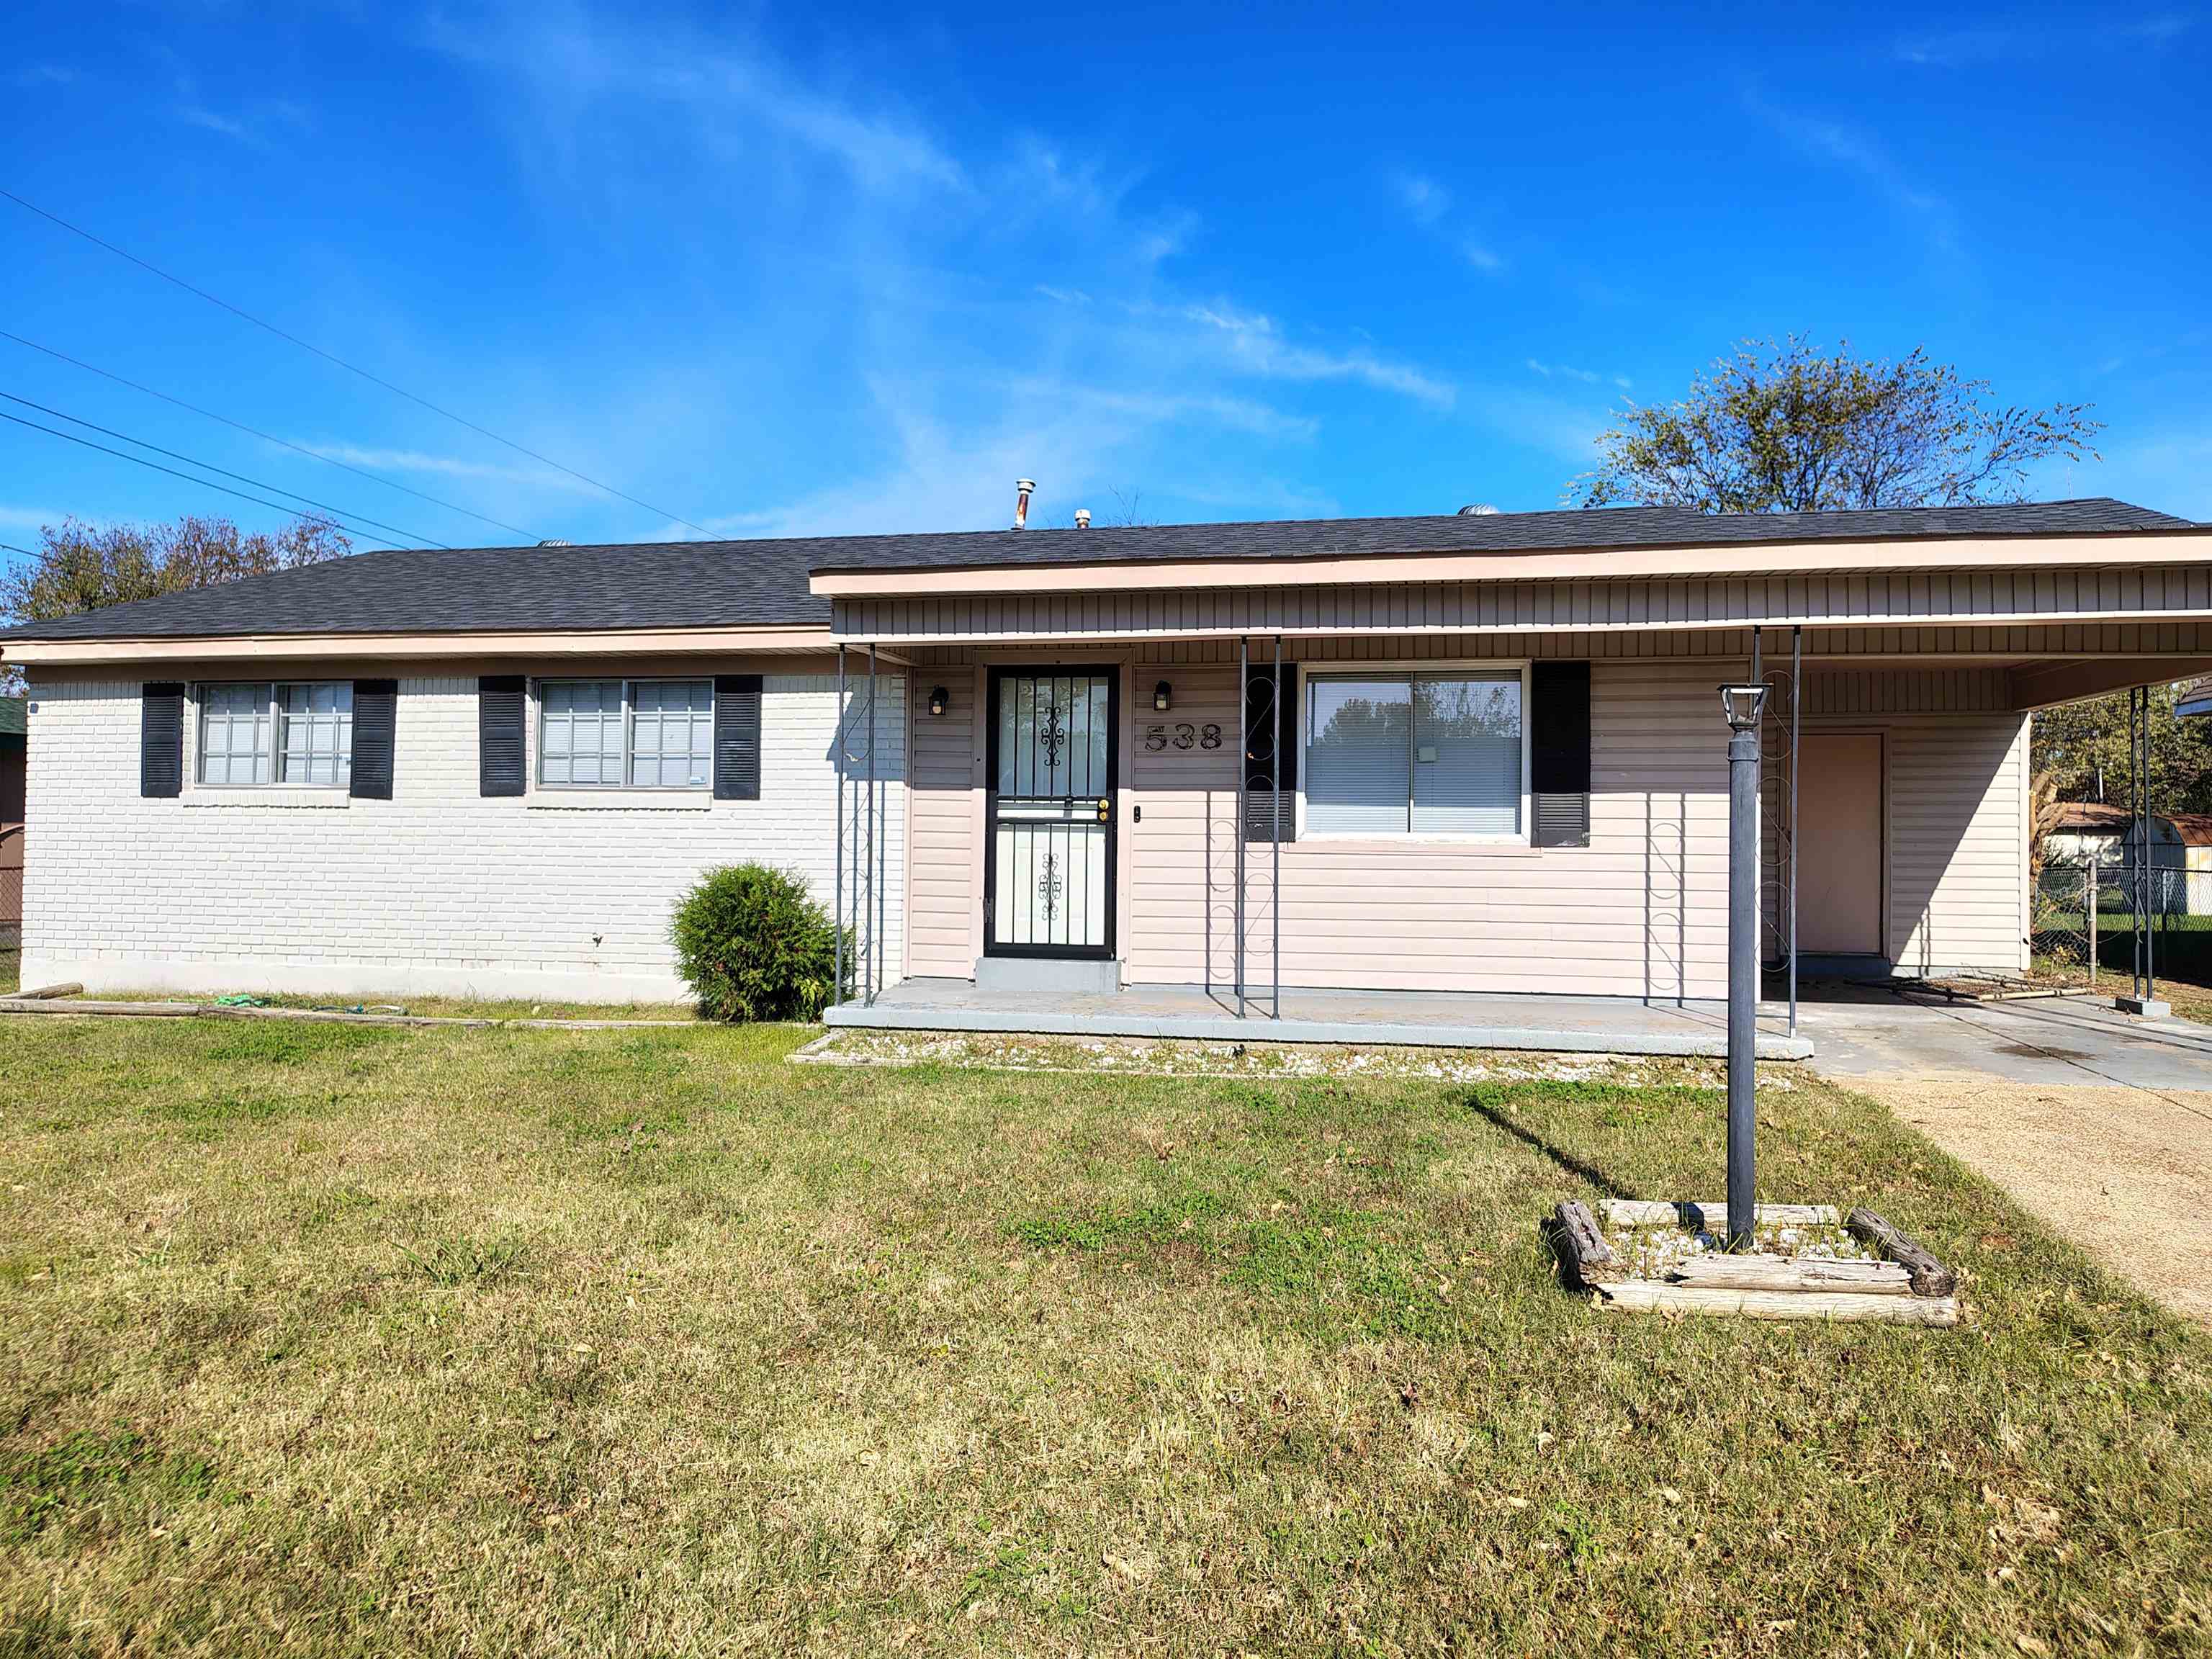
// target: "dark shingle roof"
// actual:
[[1567, 530], [741, 583]]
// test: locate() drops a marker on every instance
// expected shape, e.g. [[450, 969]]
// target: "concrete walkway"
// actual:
[[1610, 1025], [2098, 1124], [2049, 1040]]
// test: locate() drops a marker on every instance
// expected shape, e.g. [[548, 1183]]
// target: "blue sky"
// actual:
[[829, 269]]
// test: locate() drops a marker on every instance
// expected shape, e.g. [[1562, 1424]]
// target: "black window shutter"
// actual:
[[161, 739], [1559, 752], [501, 766], [737, 737], [1262, 773], [375, 718]]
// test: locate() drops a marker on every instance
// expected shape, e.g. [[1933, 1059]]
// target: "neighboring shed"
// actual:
[[2084, 829], [2195, 698], [13, 730], [2180, 861]]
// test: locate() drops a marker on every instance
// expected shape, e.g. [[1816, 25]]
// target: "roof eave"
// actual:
[[419, 647], [2155, 545]]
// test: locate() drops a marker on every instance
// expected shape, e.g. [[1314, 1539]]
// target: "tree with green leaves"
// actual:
[[1788, 427], [2084, 748], [79, 567]]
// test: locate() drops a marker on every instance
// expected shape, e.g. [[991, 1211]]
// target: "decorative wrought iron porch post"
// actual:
[[1275, 827], [1243, 760], [837, 881], [869, 807]]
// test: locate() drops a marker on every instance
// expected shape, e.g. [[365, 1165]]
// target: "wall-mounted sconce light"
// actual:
[[937, 700], [1162, 697]]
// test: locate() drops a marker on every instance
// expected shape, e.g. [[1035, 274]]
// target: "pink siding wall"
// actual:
[[942, 849], [1639, 912]]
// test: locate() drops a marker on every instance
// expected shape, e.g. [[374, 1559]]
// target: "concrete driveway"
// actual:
[[2098, 1123]]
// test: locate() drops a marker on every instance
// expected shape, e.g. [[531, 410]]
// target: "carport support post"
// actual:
[[1743, 973], [837, 765]]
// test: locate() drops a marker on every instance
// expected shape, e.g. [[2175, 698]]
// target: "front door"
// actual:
[[1048, 889], [1840, 862]]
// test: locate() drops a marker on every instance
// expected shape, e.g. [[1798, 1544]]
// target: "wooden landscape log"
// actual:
[[39, 994], [1640, 1295], [1589, 1259], [1928, 1277], [1797, 1273], [139, 1010]]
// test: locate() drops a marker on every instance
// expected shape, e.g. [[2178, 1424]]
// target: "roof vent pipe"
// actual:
[[1024, 487], [1477, 510], [1083, 518]]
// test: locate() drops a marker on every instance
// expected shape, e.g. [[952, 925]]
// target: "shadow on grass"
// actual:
[[1578, 1167]]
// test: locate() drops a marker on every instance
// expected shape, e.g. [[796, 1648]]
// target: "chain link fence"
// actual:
[[2074, 904]]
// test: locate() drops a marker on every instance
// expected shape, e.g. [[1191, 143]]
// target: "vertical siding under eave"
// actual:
[[1639, 912], [943, 855]]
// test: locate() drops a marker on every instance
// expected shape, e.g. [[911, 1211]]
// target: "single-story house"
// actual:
[[1467, 752]]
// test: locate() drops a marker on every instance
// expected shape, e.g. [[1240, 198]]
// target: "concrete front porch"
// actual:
[[1559, 1025]]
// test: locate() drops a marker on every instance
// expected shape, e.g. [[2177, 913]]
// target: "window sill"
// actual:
[[620, 801], [265, 795], [1508, 844]]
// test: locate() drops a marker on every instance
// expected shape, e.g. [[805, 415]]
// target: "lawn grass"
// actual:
[[341, 1338]]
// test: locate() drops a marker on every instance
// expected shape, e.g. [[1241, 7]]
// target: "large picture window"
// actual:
[[626, 734], [296, 734], [1415, 753]]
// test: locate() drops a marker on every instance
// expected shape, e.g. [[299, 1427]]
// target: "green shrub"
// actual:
[[753, 945]]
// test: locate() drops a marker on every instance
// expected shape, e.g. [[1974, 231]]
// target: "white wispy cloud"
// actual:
[[1859, 153], [1258, 344], [1422, 197], [445, 466], [43, 75], [573, 60], [195, 115], [1482, 257], [1564, 370], [1066, 296]]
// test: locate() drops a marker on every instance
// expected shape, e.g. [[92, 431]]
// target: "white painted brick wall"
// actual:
[[436, 891]]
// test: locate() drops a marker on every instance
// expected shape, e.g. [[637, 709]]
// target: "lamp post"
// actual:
[[1742, 704]]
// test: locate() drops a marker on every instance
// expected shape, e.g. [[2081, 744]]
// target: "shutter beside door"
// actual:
[[737, 737], [502, 767], [375, 720], [1559, 753], [1261, 772], [161, 740]]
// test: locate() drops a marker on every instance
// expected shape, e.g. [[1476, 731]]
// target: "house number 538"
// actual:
[[1182, 735]]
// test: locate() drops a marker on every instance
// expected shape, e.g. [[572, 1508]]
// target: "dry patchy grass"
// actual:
[[359, 1339]]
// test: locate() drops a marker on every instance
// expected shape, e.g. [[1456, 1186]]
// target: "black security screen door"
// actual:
[[1049, 876]]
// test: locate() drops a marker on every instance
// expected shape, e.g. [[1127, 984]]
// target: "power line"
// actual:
[[209, 467], [71, 437], [350, 368], [254, 432]]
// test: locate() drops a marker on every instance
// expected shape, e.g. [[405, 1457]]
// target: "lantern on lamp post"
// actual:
[[1742, 704]]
